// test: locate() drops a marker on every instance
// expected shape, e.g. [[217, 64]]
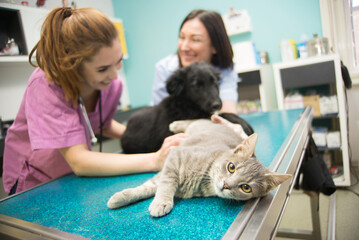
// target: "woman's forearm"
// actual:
[[84, 162], [115, 130], [229, 106], [87, 163]]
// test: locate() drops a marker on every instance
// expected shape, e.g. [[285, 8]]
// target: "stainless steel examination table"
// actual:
[[75, 207]]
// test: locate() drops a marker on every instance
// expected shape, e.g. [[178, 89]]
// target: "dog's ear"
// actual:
[[175, 83], [218, 75]]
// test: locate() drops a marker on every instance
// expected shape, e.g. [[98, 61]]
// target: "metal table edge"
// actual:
[[27, 190], [14, 228], [249, 217]]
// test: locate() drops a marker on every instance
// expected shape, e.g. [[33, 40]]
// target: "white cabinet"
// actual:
[[23, 24], [258, 83], [322, 75]]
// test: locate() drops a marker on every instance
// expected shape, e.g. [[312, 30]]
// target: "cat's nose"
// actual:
[[225, 186]]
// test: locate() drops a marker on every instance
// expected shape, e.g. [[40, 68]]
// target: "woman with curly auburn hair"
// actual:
[[71, 95]]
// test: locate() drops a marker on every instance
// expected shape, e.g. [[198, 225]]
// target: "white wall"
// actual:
[[104, 6], [13, 82]]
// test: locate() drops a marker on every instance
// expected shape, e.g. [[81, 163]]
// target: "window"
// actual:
[[354, 17], [340, 21]]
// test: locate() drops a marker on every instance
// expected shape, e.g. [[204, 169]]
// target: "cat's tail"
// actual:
[[132, 195]]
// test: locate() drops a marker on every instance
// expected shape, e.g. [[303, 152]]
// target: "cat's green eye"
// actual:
[[246, 188], [231, 168]]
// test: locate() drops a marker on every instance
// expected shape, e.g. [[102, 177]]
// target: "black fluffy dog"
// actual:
[[193, 93]]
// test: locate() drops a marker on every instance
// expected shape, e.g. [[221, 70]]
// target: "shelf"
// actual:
[[24, 25], [306, 61], [257, 83], [326, 116], [12, 59], [340, 180], [322, 149], [323, 74], [15, 61]]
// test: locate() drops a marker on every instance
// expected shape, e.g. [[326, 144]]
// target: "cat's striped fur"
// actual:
[[212, 161]]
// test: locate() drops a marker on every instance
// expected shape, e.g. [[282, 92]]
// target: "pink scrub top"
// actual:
[[46, 122]]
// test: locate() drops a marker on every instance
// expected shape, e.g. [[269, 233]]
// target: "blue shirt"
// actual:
[[165, 68]]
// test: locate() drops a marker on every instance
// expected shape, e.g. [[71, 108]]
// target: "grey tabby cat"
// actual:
[[212, 161]]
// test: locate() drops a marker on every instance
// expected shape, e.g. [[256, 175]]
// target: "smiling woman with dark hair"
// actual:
[[212, 21], [202, 37]]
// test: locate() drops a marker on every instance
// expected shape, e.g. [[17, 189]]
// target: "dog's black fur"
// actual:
[[193, 93]]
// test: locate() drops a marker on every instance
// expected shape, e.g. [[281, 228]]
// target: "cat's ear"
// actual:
[[275, 179], [246, 147]]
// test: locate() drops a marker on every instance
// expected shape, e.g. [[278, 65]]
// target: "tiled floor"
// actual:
[[298, 213]]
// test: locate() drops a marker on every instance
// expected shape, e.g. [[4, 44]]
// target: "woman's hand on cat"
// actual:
[[167, 145], [236, 127]]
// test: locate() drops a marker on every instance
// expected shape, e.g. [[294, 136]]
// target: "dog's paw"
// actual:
[[160, 208], [117, 200]]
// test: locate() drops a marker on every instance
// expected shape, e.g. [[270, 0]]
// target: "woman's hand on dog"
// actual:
[[167, 145]]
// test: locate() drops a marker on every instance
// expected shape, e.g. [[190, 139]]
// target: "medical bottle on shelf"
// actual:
[[288, 50], [302, 46], [13, 48]]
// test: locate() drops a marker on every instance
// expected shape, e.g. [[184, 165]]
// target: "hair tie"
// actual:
[[67, 12]]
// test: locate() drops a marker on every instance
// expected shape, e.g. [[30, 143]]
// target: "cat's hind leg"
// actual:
[[132, 195], [237, 128], [180, 126]]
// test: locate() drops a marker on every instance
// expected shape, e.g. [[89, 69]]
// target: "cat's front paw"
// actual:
[[176, 127], [117, 200], [160, 208]]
